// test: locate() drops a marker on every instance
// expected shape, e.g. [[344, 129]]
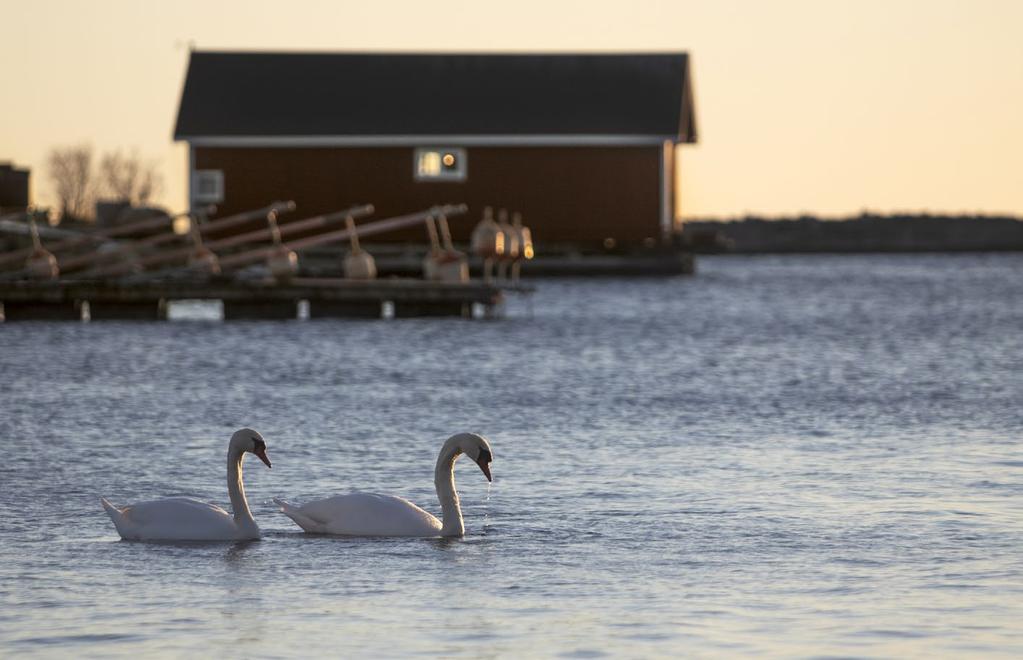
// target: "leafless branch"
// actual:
[[126, 177], [70, 169]]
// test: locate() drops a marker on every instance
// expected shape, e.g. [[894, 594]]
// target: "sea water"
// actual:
[[799, 456]]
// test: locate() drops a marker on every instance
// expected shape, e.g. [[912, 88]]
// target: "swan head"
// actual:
[[477, 448], [247, 440]]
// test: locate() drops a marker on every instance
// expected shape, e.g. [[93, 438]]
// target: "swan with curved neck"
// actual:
[[188, 519], [367, 514]]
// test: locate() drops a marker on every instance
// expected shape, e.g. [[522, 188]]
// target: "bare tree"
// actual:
[[70, 169], [126, 177]]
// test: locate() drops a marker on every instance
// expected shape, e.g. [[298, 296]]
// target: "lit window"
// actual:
[[208, 186], [439, 165], [429, 164]]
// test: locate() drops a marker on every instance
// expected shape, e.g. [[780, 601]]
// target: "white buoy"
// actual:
[[203, 259], [525, 237], [283, 263], [453, 269], [443, 263], [453, 266], [41, 265], [358, 264], [430, 273], [487, 241], [430, 261], [511, 244]]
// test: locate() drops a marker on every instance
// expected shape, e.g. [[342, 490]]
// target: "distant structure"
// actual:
[[13, 189], [867, 232], [581, 144]]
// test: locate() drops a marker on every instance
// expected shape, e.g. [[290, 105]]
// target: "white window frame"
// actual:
[[212, 178], [456, 174]]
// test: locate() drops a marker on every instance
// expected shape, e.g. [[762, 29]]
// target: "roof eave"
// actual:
[[687, 109], [496, 140]]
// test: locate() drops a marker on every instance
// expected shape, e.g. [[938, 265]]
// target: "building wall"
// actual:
[[13, 188], [566, 195]]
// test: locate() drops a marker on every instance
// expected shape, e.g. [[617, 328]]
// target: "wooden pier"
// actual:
[[244, 299], [102, 275], [405, 262]]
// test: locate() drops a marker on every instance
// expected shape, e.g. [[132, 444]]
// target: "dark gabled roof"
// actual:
[[251, 94]]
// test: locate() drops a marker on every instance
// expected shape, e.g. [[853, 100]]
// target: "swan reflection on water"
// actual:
[[236, 552]]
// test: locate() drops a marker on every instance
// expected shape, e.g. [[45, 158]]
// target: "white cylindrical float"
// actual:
[[487, 241], [431, 272], [283, 263], [204, 261], [452, 266], [511, 243], [443, 263], [358, 264], [42, 265], [525, 240]]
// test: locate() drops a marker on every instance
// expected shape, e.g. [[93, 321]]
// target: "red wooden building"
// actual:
[[582, 144]]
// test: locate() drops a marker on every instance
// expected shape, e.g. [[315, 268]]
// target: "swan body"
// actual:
[[369, 514], [189, 519], [363, 514], [174, 518]]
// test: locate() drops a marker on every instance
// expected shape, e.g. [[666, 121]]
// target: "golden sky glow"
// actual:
[[821, 106]]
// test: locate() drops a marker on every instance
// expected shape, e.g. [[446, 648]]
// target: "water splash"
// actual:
[[486, 509]]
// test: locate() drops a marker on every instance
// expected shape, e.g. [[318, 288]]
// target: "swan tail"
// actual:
[[302, 520], [114, 512], [116, 515]]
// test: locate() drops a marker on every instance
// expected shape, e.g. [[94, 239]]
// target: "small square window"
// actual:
[[209, 186], [439, 165]]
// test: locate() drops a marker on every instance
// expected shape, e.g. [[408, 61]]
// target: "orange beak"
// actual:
[[262, 456]]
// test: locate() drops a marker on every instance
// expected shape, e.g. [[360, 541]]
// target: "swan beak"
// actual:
[[486, 469], [262, 456]]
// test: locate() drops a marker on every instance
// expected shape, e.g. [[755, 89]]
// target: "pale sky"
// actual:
[[828, 107]]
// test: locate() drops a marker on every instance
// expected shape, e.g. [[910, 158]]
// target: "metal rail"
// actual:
[[76, 239], [367, 229], [184, 253], [72, 239], [85, 260]]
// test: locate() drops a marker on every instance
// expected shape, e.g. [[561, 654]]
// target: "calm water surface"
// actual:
[[803, 456]]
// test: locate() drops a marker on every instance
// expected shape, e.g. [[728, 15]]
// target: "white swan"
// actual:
[[187, 519], [366, 514]]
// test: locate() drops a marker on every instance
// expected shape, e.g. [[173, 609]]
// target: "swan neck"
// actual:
[[236, 489], [444, 480]]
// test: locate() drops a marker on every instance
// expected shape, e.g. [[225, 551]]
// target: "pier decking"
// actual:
[[245, 299], [407, 263]]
